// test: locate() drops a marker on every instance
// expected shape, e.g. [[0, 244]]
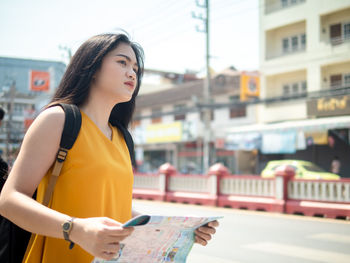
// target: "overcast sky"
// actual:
[[164, 28]]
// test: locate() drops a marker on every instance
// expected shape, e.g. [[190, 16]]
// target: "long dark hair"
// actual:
[[75, 84]]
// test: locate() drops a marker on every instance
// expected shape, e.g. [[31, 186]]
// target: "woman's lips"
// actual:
[[130, 84]]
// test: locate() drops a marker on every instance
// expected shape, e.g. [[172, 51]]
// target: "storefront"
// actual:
[[176, 143], [319, 139]]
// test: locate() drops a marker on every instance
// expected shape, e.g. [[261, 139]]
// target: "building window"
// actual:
[[295, 43], [286, 90], [336, 81], [284, 3], [346, 30], [181, 116], [303, 41], [335, 33], [303, 87], [156, 112], [285, 44], [211, 115], [237, 111], [347, 80], [295, 88]]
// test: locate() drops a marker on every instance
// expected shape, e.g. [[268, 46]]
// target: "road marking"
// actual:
[[200, 258], [300, 252], [331, 237]]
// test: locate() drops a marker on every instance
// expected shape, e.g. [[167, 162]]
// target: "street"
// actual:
[[249, 236]]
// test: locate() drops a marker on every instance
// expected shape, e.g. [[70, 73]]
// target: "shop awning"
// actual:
[[304, 125]]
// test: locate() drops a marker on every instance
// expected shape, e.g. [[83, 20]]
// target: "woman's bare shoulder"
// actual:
[[55, 113], [48, 125]]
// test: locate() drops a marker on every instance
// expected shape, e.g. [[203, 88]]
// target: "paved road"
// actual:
[[259, 237]]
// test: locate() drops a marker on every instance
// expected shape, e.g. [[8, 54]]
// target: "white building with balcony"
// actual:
[[305, 81]]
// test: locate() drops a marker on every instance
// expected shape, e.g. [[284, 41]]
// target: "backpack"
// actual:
[[13, 239]]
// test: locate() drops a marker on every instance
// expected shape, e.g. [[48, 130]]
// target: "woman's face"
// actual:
[[117, 77]]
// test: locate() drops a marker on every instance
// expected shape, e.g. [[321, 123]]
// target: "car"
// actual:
[[303, 170]]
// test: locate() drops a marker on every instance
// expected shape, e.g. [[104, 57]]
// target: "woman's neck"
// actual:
[[99, 110]]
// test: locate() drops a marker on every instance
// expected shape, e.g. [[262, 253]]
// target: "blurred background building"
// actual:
[[297, 107], [25, 86], [305, 64], [168, 125], [305, 83]]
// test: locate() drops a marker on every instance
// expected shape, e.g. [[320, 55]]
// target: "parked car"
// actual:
[[303, 170]]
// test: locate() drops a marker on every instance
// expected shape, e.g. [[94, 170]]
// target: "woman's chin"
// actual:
[[122, 99]]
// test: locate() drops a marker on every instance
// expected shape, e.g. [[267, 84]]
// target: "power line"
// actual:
[[225, 4], [165, 14], [237, 13]]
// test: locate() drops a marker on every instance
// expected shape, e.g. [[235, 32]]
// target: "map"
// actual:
[[158, 239]]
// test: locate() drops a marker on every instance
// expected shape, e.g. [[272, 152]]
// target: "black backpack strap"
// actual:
[[129, 142], [72, 124], [70, 133]]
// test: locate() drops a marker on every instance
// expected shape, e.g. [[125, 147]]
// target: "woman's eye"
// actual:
[[122, 62]]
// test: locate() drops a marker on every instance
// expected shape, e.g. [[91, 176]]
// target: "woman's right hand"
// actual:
[[100, 236]]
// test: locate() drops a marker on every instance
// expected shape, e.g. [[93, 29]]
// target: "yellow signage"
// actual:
[[332, 104], [249, 86], [157, 133], [317, 137]]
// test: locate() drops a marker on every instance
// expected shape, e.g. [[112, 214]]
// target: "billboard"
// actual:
[[39, 80], [165, 132]]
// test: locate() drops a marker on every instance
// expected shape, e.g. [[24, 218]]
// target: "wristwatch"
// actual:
[[67, 228]]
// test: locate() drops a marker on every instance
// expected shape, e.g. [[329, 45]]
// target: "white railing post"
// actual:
[[282, 176], [213, 184]]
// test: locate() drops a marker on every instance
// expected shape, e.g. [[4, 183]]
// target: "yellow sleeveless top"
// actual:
[[95, 181]]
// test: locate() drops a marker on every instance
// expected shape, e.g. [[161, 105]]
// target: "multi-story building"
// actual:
[[168, 123], [305, 81], [26, 93]]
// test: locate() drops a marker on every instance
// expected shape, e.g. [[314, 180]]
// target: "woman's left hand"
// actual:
[[203, 233]]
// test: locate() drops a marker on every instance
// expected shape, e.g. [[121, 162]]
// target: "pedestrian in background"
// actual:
[[93, 193], [335, 165]]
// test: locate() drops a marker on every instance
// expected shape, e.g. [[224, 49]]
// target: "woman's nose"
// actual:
[[131, 74]]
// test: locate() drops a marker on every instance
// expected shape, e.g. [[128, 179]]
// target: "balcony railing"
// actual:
[[339, 40], [282, 5], [283, 53]]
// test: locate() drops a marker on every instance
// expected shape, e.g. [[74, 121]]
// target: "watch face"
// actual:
[[66, 226]]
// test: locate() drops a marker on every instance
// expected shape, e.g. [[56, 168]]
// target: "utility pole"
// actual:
[[10, 107], [206, 112]]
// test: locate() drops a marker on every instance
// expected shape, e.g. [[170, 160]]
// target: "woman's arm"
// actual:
[[99, 236], [37, 154]]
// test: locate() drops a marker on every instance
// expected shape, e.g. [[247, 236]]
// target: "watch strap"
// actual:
[[67, 232]]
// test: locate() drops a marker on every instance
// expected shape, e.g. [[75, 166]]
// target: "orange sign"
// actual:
[[39, 80], [250, 86], [29, 115]]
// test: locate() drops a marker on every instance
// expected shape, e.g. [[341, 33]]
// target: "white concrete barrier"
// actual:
[[193, 183], [317, 190], [149, 181], [247, 185]]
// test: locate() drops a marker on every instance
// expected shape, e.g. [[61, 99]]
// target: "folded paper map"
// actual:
[[158, 239]]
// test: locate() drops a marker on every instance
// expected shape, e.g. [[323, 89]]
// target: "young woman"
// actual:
[[94, 190]]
